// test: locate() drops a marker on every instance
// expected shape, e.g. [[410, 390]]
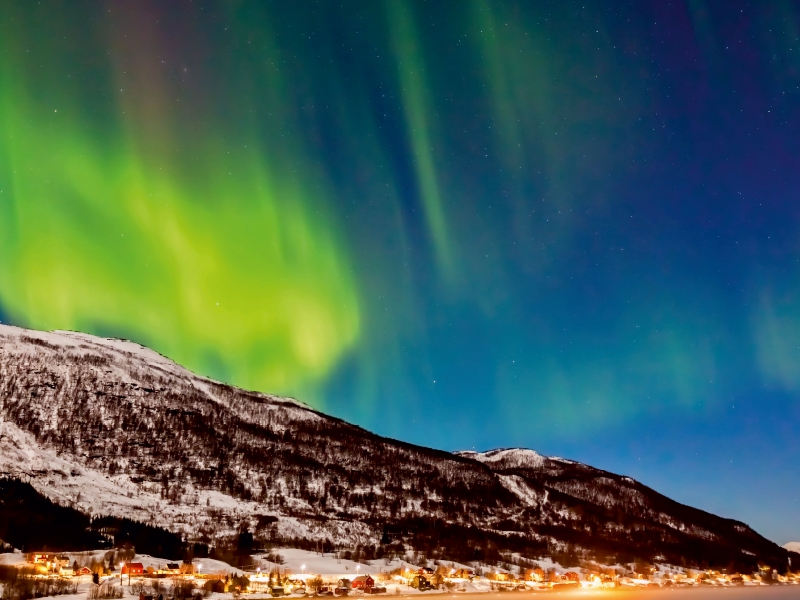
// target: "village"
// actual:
[[298, 573]]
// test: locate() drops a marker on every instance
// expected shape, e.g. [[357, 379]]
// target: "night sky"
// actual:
[[570, 226]]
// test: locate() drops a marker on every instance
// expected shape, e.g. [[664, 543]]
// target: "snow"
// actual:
[[525, 492], [524, 458], [12, 559], [73, 485], [206, 566], [77, 340], [120, 345], [329, 564], [514, 457], [793, 546]]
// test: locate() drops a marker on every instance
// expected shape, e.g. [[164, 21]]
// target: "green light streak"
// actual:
[[416, 106], [228, 264]]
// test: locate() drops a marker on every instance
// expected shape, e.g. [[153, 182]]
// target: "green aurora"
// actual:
[[129, 215]]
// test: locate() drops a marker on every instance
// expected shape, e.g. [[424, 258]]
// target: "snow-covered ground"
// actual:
[[12, 558], [303, 561], [205, 566]]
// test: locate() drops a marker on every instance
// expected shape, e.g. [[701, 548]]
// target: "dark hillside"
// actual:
[[29, 521]]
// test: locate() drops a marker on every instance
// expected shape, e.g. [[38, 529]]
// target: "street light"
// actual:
[[303, 569]]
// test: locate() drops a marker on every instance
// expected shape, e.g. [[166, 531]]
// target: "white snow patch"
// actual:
[[204, 565], [12, 558], [513, 457], [520, 487], [329, 564]]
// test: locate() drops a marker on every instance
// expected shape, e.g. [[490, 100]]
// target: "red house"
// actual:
[[133, 569], [363, 582]]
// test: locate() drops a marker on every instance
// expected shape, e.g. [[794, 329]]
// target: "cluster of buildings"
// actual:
[[462, 578], [54, 564], [137, 569], [46, 563]]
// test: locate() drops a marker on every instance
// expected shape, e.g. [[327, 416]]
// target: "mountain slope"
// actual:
[[110, 427]]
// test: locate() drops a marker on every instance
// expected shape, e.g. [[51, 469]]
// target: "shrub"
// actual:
[[183, 589], [24, 587], [104, 592]]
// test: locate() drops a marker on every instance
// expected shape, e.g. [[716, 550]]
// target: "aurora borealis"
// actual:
[[572, 226]]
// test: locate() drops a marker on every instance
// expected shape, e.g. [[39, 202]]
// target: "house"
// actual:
[[421, 583], [84, 571], [570, 576], [133, 569], [45, 562], [362, 582], [43, 559], [173, 569]]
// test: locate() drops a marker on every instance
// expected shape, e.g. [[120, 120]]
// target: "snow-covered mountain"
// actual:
[[112, 428], [793, 546]]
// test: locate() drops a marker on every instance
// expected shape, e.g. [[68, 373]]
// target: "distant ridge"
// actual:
[[512, 457], [112, 428]]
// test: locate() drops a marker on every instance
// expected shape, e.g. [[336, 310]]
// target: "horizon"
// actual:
[[565, 226]]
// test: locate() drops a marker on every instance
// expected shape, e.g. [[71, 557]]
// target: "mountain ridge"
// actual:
[[111, 427]]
